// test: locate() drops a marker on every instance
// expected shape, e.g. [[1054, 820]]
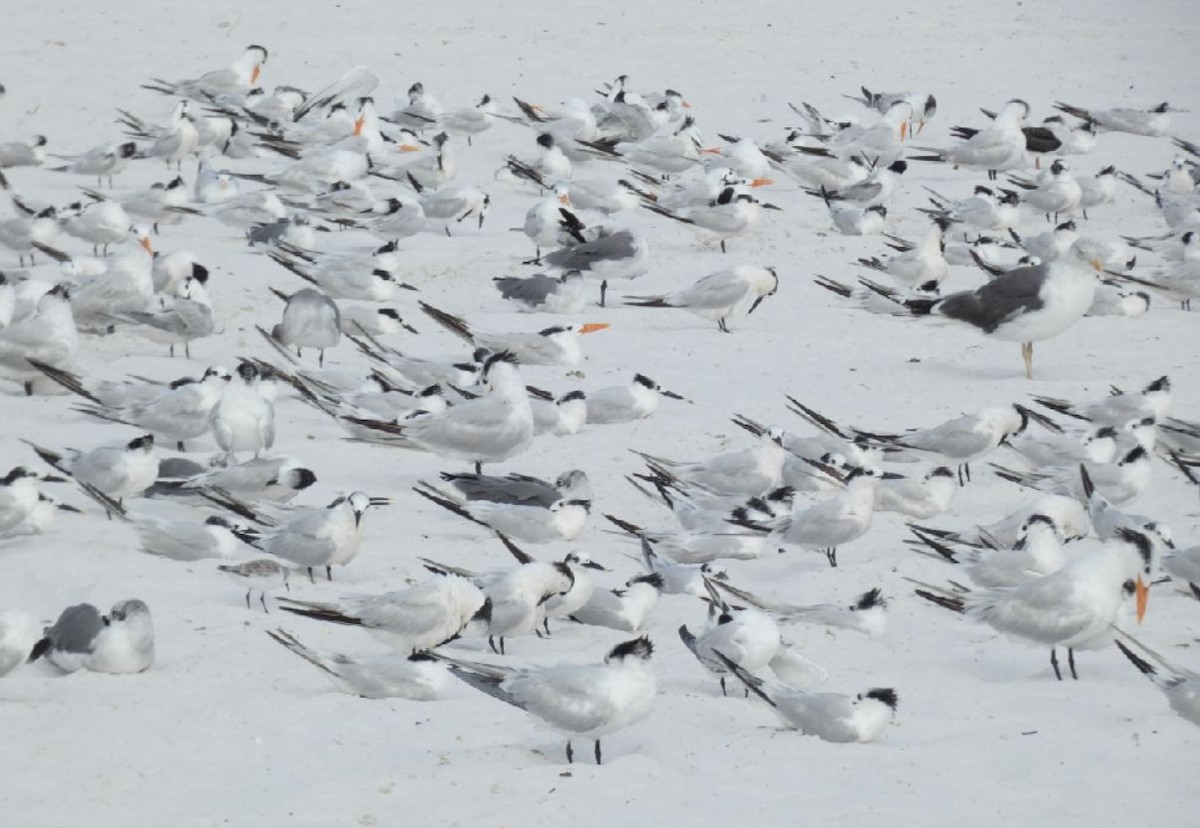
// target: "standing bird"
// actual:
[[81, 638], [1026, 305], [735, 291], [310, 320], [583, 700], [243, 418], [613, 254], [998, 148]]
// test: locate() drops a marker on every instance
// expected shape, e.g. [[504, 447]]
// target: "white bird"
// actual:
[[1038, 551], [177, 140], [262, 574], [1119, 482], [559, 417], [556, 345], [828, 716], [1074, 607], [867, 615], [853, 220], [180, 413], [243, 419], [418, 677], [1153, 401], [23, 153], [917, 266], [20, 496], [48, 336], [534, 523], [471, 120], [102, 161], [733, 213], [452, 203], [1153, 122], [359, 319], [19, 234], [411, 620], [238, 77], [185, 540], [1181, 687], [842, 519], [920, 499], [540, 292], [626, 403], [679, 578], [748, 472], [175, 319], [266, 478], [735, 291], [117, 470], [310, 320], [582, 700], [329, 536], [81, 638], [749, 638], [626, 609], [101, 223], [18, 633], [999, 147], [1056, 192], [1025, 305], [984, 210]]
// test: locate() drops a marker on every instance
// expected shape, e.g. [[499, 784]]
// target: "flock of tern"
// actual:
[[325, 188]]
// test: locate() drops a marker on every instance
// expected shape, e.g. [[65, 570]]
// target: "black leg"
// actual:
[[603, 291], [967, 468], [478, 467], [831, 555], [1071, 663], [262, 599], [179, 445], [248, 598], [546, 626], [329, 573], [723, 693], [492, 644], [1054, 664], [311, 580], [502, 645], [598, 752], [570, 753], [722, 245]]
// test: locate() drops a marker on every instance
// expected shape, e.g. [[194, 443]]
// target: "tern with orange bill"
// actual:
[[558, 345]]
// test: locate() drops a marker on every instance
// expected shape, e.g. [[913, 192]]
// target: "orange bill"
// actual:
[[903, 130], [144, 241], [712, 150], [564, 199], [254, 73], [358, 124], [592, 327], [762, 182], [408, 148], [1142, 593]]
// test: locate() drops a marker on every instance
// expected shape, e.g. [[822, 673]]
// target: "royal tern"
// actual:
[[828, 716], [997, 148], [582, 700], [1074, 607], [81, 638], [731, 292], [556, 345], [418, 677], [238, 77]]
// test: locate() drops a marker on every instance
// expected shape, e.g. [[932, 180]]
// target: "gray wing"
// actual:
[[583, 256], [718, 290], [1001, 299], [75, 629], [532, 291], [513, 489], [1044, 610]]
